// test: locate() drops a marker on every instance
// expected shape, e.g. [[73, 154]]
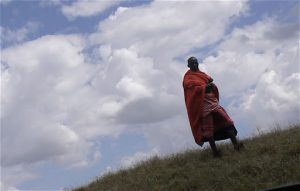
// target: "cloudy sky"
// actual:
[[92, 86]]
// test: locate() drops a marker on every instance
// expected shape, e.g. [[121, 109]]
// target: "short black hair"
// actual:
[[192, 60]]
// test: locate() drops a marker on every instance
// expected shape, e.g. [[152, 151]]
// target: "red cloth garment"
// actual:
[[210, 103], [205, 114]]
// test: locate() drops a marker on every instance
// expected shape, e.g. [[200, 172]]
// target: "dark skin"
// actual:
[[194, 66]]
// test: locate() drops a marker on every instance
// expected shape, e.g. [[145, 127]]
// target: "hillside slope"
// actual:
[[267, 161]]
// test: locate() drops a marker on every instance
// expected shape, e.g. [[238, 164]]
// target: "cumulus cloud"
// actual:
[[172, 28], [262, 77], [11, 177], [86, 8], [143, 45], [135, 85], [130, 161], [3, 186], [42, 118], [169, 136], [18, 35], [7, 187], [141, 49], [35, 104], [42, 87], [274, 100], [64, 93]]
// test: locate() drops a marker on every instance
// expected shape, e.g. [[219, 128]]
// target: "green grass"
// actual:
[[267, 161]]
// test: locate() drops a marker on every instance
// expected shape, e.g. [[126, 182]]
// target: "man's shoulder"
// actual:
[[194, 73], [188, 72]]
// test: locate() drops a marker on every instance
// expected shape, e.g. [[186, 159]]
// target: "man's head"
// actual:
[[193, 63]]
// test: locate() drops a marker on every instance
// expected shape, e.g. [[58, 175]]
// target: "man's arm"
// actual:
[[209, 86]]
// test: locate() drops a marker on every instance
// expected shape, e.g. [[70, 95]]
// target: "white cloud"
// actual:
[[174, 29], [55, 99], [48, 110], [259, 68], [19, 35], [63, 98], [86, 8], [229, 66], [141, 47], [130, 161], [241, 61], [169, 136], [275, 101], [3, 186], [11, 177], [254, 66], [134, 84], [40, 87]]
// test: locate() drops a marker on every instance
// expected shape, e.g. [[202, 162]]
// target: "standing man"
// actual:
[[208, 120]]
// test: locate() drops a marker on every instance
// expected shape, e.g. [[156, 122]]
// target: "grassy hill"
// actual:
[[267, 161]]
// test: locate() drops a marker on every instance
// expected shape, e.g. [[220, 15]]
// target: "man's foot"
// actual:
[[238, 146]]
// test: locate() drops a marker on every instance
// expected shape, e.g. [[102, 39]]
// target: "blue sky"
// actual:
[[89, 87]]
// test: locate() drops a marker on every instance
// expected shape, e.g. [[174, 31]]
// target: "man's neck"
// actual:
[[194, 69]]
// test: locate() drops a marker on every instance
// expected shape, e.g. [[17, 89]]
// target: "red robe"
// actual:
[[194, 84]]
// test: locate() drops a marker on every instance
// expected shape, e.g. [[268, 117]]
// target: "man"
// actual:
[[208, 120]]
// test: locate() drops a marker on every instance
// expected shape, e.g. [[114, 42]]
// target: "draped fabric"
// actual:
[[207, 118]]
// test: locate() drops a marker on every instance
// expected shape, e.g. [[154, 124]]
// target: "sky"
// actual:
[[90, 87]]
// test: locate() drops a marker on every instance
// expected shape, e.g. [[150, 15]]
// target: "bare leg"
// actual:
[[213, 147], [236, 144]]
